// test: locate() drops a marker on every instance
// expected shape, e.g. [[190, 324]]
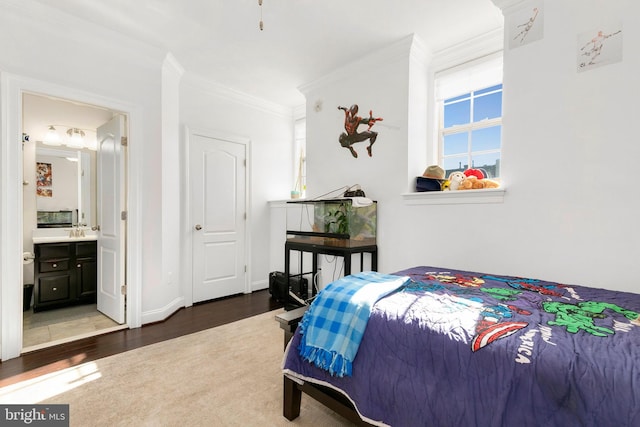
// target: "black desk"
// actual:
[[317, 249]]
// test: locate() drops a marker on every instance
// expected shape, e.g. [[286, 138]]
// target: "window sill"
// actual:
[[490, 195]]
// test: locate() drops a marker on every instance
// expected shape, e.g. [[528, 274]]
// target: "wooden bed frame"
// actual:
[[293, 391]]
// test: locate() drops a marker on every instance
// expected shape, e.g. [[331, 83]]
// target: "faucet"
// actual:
[[76, 232]]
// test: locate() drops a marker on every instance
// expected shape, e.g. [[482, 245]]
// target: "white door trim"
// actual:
[[11, 89], [187, 227]]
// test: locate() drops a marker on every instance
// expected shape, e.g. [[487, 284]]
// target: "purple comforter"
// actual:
[[458, 348]]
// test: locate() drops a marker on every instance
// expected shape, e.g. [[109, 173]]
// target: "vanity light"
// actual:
[[76, 138], [52, 137]]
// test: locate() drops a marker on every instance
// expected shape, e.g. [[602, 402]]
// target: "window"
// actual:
[[299, 158], [469, 107]]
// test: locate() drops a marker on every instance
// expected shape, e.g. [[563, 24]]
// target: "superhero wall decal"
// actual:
[[351, 135]]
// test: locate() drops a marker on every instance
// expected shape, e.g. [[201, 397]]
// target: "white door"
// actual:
[[111, 237], [217, 176]]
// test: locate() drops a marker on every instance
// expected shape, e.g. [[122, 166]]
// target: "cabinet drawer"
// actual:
[[86, 249], [54, 250], [55, 265], [54, 288]]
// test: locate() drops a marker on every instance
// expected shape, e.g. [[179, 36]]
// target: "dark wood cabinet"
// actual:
[[65, 274]]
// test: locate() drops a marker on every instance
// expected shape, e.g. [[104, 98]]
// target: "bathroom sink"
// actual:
[[54, 235]]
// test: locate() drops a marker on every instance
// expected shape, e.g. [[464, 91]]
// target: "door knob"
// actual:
[[198, 227]]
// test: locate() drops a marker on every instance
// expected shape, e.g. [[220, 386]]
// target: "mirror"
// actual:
[[64, 182], [73, 185]]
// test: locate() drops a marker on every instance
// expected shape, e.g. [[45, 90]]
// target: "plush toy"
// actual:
[[467, 182], [474, 172], [473, 183], [488, 183], [455, 178]]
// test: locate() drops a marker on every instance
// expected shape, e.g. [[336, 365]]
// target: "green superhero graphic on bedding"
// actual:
[[502, 294], [575, 317]]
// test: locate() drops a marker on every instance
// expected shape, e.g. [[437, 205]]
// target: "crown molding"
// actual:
[[171, 63], [420, 52], [508, 6], [398, 50], [233, 95], [484, 45]]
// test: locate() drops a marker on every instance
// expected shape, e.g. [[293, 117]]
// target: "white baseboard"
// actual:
[[164, 312]]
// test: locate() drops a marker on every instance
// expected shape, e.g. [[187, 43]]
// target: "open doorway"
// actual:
[[63, 305]]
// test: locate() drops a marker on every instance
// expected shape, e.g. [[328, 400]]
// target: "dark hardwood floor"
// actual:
[[184, 321]]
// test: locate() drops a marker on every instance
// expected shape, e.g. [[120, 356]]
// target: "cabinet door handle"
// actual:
[[79, 265], [55, 265], [55, 289]]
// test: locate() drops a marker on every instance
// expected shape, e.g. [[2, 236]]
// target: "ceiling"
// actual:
[[302, 40]]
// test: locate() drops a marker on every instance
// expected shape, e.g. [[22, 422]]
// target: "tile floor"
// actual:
[[56, 326]]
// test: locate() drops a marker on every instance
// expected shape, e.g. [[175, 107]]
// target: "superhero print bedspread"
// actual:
[[459, 348]]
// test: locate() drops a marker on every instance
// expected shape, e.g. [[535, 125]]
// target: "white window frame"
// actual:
[[460, 80], [300, 156], [467, 128], [456, 64]]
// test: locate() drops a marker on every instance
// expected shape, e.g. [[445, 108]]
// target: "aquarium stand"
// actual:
[[324, 249]]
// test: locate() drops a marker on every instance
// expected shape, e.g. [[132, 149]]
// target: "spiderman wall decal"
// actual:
[[351, 134]]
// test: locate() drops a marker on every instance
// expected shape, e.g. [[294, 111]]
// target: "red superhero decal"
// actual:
[[351, 123]]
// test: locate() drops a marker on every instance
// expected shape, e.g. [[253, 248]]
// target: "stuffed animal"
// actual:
[[455, 178], [467, 182], [488, 183], [474, 172], [473, 183]]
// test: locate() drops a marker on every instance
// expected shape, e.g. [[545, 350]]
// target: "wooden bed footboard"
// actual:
[[293, 391]]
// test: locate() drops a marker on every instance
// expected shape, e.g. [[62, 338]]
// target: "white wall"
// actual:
[[387, 83], [269, 128], [568, 140], [40, 44], [54, 50], [379, 82], [569, 137]]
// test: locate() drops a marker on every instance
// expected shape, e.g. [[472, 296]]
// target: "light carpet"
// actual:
[[225, 376]]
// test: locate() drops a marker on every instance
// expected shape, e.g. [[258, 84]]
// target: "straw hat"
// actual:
[[434, 172]]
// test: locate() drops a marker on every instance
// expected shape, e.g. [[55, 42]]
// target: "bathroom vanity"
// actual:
[[65, 271]]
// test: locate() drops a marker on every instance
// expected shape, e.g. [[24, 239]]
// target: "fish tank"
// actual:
[[332, 222]]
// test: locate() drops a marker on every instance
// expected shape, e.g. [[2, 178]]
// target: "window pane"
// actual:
[[489, 163], [455, 163], [487, 107], [456, 143], [486, 139], [487, 90], [458, 113]]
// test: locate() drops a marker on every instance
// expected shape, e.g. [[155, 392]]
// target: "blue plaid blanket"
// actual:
[[333, 326]]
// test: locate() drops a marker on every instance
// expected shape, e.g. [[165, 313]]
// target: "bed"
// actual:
[[461, 348]]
